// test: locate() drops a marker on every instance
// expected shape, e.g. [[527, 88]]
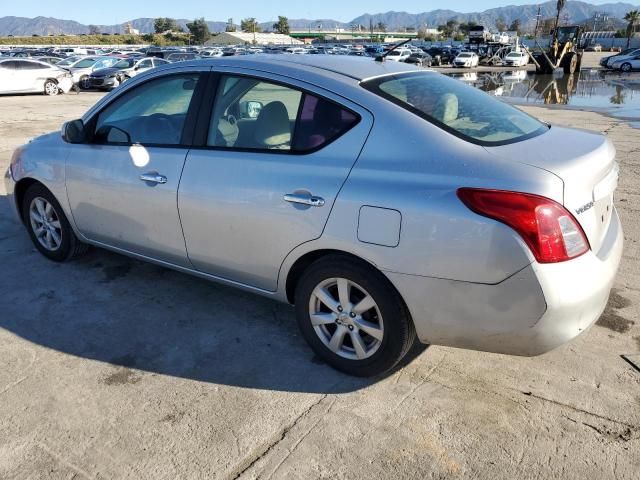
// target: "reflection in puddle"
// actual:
[[616, 94]]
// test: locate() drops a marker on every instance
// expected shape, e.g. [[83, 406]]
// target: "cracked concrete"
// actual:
[[111, 368]]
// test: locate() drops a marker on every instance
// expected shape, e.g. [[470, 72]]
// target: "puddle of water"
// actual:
[[608, 92]]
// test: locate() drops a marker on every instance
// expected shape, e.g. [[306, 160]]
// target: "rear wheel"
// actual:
[[352, 317], [48, 227], [51, 88]]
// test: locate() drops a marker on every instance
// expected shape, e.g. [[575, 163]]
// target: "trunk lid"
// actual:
[[585, 162]]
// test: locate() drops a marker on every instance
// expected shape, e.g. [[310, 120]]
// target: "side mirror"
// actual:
[[137, 67], [250, 109], [74, 132]]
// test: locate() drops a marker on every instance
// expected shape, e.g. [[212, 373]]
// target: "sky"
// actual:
[[119, 11]]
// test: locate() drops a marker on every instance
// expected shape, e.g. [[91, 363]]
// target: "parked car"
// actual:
[[626, 63], [181, 57], [398, 55], [18, 75], [516, 59], [440, 56], [111, 77], [596, 47], [466, 60], [420, 59], [83, 68], [489, 230], [629, 52]]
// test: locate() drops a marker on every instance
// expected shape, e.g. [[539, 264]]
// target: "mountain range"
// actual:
[[575, 12]]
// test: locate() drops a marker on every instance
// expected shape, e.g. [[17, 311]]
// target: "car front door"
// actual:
[[266, 176], [122, 185]]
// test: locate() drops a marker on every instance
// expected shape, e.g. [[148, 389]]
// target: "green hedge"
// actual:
[[160, 40]]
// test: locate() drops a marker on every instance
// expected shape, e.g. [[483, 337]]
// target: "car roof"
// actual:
[[342, 66]]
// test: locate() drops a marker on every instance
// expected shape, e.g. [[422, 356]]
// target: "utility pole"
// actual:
[[538, 16]]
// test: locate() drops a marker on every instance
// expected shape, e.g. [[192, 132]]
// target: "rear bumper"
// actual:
[[536, 310]]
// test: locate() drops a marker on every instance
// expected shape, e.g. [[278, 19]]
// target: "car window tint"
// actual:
[[153, 113], [146, 64], [457, 108], [250, 114], [321, 122]]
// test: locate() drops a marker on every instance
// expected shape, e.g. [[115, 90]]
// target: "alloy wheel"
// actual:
[[346, 318], [51, 88], [45, 223]]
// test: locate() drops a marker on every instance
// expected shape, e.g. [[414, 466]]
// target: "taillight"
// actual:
[[550, 231]]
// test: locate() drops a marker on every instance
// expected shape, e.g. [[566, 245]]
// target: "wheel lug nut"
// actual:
[[353, 315], [351, 327], [339, 308]]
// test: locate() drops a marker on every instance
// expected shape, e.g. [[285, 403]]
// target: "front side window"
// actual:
[[256, 115], [457, 108], [153, 113]]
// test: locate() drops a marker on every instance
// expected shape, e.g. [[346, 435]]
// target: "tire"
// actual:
[[626, 67], [389, 322], [51, 88], [85, 82], [68, 245], [570, 63]]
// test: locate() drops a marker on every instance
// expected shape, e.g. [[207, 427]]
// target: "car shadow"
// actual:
[[114, 309]]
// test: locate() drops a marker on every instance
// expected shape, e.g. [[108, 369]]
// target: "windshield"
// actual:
[[465, 55], [86, 63], [514, 54], [127, 63], [457, 108]]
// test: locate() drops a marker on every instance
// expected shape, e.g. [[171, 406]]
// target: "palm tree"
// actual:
[[633, 17]]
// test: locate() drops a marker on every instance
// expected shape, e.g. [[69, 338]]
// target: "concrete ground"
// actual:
[[111, 368]]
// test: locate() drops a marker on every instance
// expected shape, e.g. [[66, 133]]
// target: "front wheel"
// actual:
[[85, 83], [51, 88], [48, 226], [352, 317], [625, 67]]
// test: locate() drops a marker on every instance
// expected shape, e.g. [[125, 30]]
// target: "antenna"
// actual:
[[381, 58]]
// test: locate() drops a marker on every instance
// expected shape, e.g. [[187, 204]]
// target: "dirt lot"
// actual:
[[111, 368]]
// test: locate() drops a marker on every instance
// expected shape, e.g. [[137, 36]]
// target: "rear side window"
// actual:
[[250, 114], [457, 108]]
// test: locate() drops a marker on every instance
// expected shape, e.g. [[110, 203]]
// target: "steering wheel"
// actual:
[[159, 126]]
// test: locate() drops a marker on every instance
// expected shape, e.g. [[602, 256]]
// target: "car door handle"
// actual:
[[153, 178], [304, 199]]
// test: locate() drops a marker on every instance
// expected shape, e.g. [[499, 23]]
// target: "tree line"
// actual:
[[199, 32]]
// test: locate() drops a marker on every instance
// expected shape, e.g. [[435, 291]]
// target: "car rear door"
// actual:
[[264, 180], [8, 80], [122, 185]]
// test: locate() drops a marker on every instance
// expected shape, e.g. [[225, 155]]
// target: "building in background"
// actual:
[[243, 38]]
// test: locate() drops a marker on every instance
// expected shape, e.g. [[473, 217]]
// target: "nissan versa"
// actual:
[[482, 228]]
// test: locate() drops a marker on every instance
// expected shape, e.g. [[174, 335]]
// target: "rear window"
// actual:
[[457, 108]]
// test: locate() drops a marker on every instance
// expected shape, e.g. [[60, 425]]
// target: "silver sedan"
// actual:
[[387, 203]]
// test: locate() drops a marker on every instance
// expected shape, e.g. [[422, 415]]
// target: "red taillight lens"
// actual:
[[550, 231]]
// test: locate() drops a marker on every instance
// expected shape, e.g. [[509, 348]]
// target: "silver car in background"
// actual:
[[484, 229]]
